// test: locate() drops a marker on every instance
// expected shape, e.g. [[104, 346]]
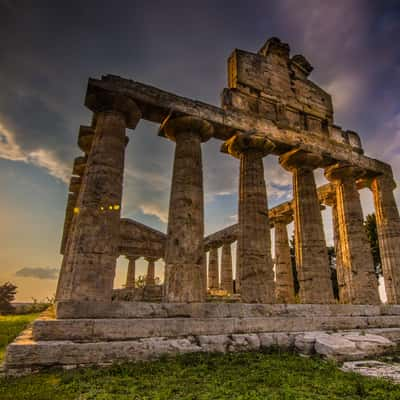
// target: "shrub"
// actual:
[[7, 295]]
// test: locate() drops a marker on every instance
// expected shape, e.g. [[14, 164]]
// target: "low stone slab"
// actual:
[[342, 346], [26, 354], [126, 329], [374, 368], [128, 309], [336, 347]]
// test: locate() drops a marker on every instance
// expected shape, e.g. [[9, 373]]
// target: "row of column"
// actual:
[[226, 282], [131, 273], [91, 249]]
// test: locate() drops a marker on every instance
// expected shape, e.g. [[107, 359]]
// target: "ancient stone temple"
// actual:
[[270, 109]]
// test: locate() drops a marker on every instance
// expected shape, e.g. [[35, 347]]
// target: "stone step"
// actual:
[[128, 309], [127, 329], [25, 355]]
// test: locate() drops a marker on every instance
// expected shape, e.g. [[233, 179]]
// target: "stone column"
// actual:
[[131, 275], [151, 269], [95, 237], [343, 291], [226, 268], [311, 253], [64, 280], [284, 285], [205, 278], [388, 227], [237, 274], [184, 281], [358, 268], [255, 262], [213, 267]]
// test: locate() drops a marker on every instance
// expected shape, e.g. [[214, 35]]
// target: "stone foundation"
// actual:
[[145, 331]]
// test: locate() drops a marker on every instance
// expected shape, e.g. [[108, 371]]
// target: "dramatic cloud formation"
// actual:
[[10, 150], [39, 273]]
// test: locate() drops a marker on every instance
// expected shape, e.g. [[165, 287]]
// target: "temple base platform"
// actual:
[[94, 333]]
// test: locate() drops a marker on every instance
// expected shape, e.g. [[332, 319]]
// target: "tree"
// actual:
[[332, 268], [7, 295], [140, 281], [372, 234]]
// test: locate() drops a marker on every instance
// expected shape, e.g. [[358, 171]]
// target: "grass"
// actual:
[[234, 376], [10, 327]]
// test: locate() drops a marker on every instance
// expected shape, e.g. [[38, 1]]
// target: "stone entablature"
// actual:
[[141, 240], [157, 104]]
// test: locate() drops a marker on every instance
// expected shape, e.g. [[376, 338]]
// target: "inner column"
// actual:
[[357, 262], [284, 285], [388, 227]]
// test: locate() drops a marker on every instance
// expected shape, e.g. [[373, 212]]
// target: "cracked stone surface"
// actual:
[[373, 368]]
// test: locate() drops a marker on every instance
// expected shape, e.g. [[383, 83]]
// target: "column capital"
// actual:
[[301, 159], [85, 138], [284, 219], [383, 180], [100, 101], [74, 184], [341, 172], [174, 126], [151, 259], [242, 142], [132, 258], [216, 244], [79, 166]]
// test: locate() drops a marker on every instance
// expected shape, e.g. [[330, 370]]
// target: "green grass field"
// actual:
[[10, 327], [234, 376]]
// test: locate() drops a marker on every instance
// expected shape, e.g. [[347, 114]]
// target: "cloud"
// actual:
[[38, 273], [48, 160], [345, 90], [42, 158], [154, 209], [9, 149]]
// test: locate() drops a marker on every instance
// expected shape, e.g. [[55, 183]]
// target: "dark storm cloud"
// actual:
[[48, 50], [38, 272]]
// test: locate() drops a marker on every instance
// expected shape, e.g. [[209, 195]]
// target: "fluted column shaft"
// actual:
[[151, 269], [213, 275], [131, 274], [358, 268], [94, 238], [284, 285], [204, 271], [340, 273], [65, 275], [184, 280], [238, 268], [226, 268], [311, 253], [256, 272], [388, 227]]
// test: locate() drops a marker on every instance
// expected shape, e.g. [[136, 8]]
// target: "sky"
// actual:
[[49, 49]]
